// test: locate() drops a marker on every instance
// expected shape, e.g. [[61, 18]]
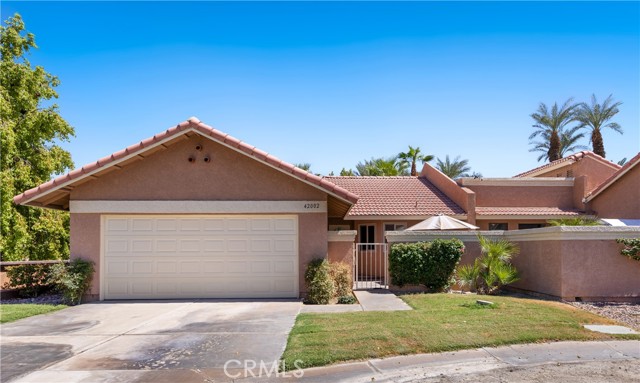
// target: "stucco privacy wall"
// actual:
[[566, 262], [621, 199], [341, 246], [168, 175]]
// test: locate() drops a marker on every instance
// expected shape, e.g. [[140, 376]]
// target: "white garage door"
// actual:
[[168, 256]]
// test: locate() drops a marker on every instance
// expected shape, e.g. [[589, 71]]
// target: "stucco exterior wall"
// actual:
[[312, 242], [168, 175], [621, 199], [540, 266], [595, 170], [595, 269], [462, 196], [514, 196], [85, 243]]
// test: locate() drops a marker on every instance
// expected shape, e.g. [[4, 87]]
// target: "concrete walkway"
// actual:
[[419, 367], [369, 300]]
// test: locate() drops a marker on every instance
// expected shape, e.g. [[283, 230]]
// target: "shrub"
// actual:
[[29, 280], [341, 275], [347, 300], [72, 280], [320, 286], [429, 264], [583, 220], [631, 247], [492, 270]]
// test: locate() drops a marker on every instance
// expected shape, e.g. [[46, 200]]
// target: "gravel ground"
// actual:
[[626, 313], [627, 371], [51, 299]]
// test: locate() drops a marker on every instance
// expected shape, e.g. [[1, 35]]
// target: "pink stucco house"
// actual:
[[193, 212]]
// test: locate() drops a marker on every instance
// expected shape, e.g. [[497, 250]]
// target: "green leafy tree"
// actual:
[[549, 123], [382, 167], [304, 166], [344, 172], [30, 128], [412, 156], [454, 169], [596, 117], [568, 143]]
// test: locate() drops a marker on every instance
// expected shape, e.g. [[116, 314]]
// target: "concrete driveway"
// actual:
[[151, 341]]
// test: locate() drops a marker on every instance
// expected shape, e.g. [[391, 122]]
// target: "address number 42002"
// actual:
[[312, 205]]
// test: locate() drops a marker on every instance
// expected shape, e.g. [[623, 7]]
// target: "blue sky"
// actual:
[[335, 83]]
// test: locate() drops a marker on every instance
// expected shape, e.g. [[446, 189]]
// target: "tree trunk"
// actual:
[[598, 144], [414, 171], [554, 147]]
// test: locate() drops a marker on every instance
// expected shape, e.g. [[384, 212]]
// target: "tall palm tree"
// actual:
[[413, 156], [568, 143], [382, 167], [552, 122], [455, 168], [596, 117]]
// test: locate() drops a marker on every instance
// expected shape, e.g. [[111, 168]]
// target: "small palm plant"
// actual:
[[583, 220], [492, 270]]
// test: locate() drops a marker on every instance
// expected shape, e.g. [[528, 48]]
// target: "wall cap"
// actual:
[[342, 236], [553, 233]]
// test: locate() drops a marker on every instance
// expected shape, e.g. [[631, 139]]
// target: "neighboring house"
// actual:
[[619, 195], [195, 213]]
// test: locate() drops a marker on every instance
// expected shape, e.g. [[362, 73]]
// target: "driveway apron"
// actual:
[[124, 341]]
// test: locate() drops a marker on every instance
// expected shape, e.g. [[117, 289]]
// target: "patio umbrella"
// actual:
[[442, 222]]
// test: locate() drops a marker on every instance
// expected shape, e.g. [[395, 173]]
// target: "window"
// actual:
[[394, 226], [524, 226], [367, 235], [498, 226]]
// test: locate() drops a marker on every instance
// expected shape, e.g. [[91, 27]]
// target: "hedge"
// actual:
[[430, 264]]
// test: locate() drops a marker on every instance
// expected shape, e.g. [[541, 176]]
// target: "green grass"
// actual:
[[10, 313], [439, 322]]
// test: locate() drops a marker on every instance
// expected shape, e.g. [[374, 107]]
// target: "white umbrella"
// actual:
[[442, 222]]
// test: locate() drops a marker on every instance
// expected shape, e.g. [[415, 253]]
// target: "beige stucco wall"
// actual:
[[167, 175], [513, 196], [341, 252], [621, 199], [566, 262], [462, 196], [595, 269], [595, 171], [85, 243], [540, 266]]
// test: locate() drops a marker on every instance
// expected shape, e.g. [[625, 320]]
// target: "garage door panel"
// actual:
[[200, 257]]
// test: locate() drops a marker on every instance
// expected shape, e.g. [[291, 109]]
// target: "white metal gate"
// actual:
[[371, 266]]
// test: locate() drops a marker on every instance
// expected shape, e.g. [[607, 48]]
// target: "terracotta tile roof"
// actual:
[[206, 130], [568, 159], [396, 196], [529, 211], [614, 177]]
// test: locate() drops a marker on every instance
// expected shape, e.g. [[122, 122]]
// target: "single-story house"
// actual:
[[195, 213]]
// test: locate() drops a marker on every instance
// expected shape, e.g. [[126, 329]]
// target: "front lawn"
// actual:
[[439, 322], [13, 312]]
